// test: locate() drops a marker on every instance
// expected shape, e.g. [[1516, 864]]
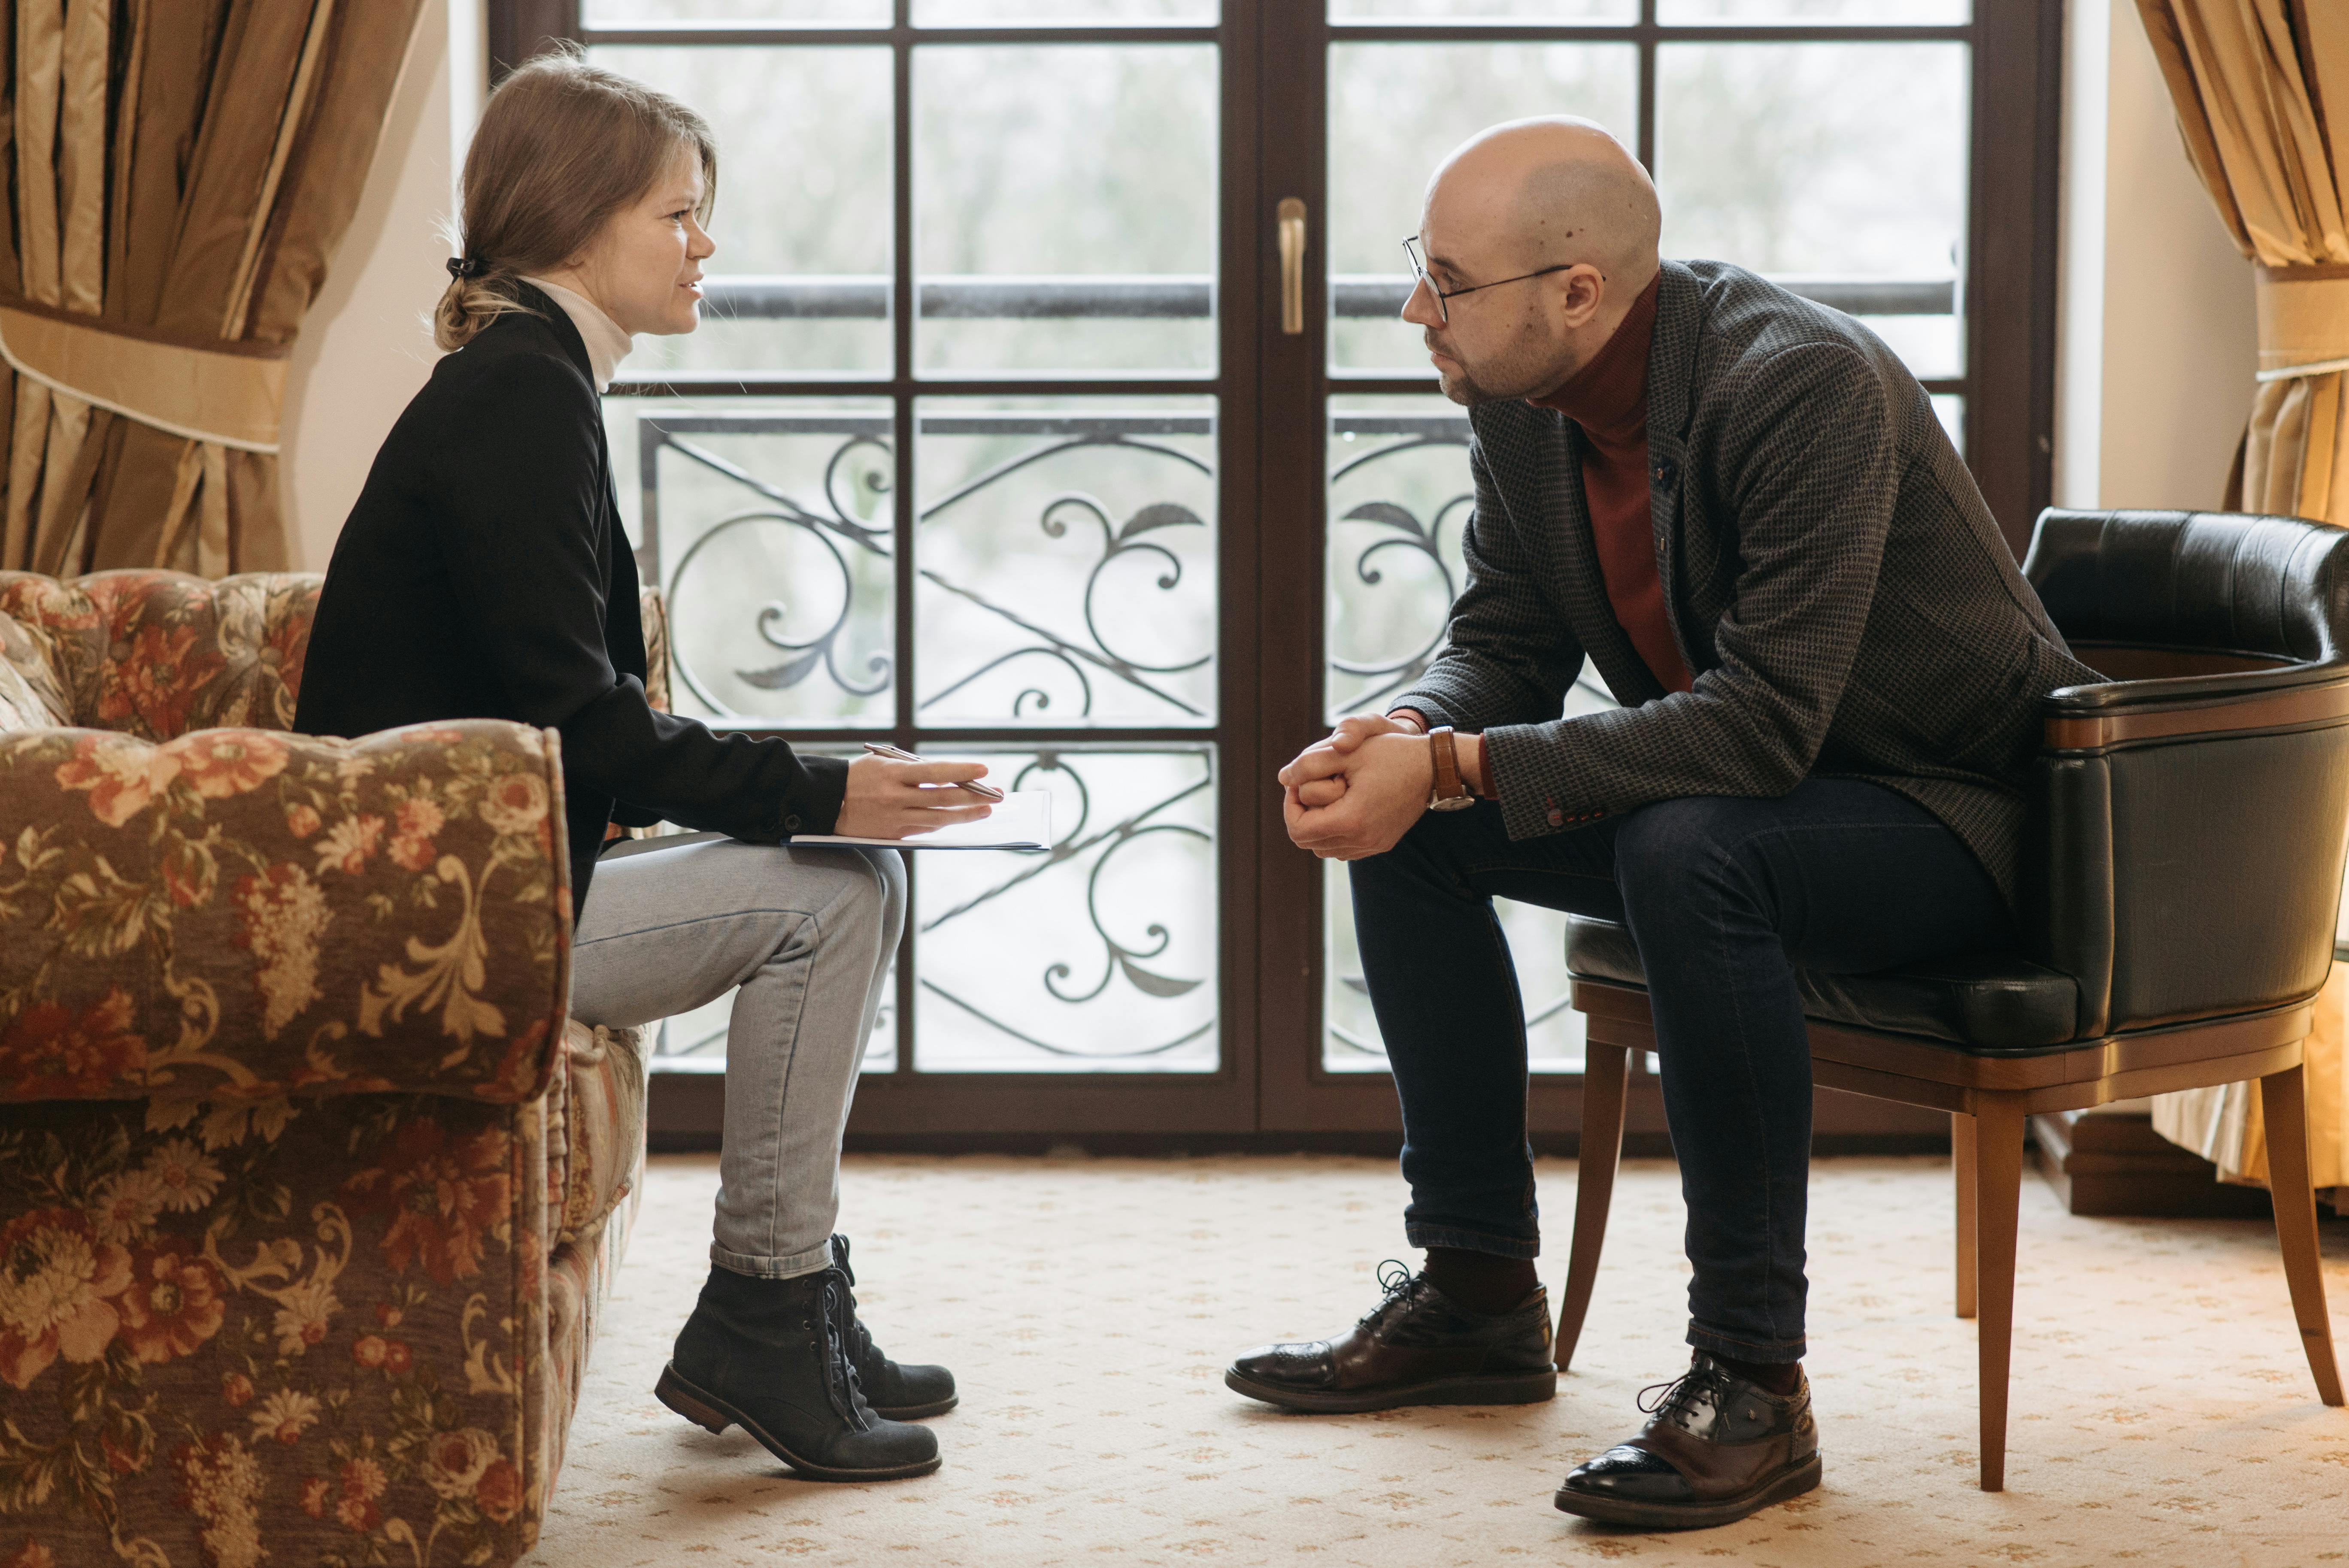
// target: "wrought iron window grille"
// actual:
[[831, 522], [863, 455]]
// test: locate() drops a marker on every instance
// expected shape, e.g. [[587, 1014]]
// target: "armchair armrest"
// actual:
[[242, 913], [2188, 841], [2115, 713]]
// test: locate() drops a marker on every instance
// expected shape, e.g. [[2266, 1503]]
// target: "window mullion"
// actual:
[[1646, 133], [903, 511]]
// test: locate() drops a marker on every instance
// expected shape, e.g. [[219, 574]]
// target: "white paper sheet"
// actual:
[[1022, 821]]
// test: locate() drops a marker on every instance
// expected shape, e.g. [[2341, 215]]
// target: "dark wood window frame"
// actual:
[[1271, 1088]]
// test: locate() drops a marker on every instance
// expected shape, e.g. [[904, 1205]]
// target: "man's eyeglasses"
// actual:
[[1443, 311]]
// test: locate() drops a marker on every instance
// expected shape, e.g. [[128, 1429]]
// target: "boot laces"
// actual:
[[867, 1357], [841, 1382]]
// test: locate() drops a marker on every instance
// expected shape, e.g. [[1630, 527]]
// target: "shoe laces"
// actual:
[[841, 1384], [1398, 1282], [1677, 1399], [867, 1357]]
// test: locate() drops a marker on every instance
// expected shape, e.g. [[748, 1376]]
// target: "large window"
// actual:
[[998, 440]]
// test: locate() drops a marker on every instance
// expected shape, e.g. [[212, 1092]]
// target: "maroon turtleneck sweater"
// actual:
[[1609, 398]]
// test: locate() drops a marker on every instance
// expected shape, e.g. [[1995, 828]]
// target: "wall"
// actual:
[[367, 346], [2156, 346]]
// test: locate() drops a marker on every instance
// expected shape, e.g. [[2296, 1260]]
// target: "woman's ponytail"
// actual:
[[470, 301], [562, 145]]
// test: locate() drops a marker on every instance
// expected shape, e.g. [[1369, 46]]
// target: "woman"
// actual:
[[483, 573]]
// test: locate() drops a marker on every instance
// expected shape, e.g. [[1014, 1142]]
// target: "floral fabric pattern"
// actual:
[[325, 904], [201, 1367], [157, 654], [309, 1193]]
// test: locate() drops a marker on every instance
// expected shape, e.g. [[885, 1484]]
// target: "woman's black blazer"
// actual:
[[484, 574]]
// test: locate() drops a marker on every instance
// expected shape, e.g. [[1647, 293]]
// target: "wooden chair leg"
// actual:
[[1961, 1152], [1998, 1196], [1606, 1081], [2283, 1104]]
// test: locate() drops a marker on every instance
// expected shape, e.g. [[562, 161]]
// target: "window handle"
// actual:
[[1292, 266]]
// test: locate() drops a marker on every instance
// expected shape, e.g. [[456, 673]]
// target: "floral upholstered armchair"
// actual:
[[308, 1190]]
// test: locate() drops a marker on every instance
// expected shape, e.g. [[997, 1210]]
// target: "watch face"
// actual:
[[1456, 803]]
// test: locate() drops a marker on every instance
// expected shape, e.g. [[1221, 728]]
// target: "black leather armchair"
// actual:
[[2189, 821]]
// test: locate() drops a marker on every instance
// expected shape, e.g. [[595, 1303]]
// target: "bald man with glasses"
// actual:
[[1740, 509]]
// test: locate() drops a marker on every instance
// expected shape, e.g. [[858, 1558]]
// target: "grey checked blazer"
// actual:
[[1837, 585]]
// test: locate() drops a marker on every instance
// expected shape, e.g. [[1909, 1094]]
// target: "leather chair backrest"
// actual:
[[2192, 874], [2221, 583]]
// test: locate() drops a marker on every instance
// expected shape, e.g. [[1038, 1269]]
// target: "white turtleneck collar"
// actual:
[[606, 343]]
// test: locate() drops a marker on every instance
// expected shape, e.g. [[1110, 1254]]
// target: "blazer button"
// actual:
[[791, 824], [1557, 818]]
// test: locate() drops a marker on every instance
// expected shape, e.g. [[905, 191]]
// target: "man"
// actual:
[[1740, 507]]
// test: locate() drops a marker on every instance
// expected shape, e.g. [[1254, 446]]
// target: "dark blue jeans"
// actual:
[[1725, 896]]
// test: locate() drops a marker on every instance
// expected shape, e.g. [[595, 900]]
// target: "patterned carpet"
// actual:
[[2162, 1412]]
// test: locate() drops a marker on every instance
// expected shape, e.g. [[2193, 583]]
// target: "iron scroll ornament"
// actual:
[[864, 457], [1118, 958], [1401, 528]]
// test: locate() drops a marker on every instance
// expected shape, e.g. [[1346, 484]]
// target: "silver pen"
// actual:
[[898, 754]]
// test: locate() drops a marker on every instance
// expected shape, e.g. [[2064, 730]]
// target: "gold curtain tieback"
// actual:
[[2303, 321], [229, 394]]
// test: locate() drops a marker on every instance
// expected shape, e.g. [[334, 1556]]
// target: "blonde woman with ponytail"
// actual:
[[483, 573]]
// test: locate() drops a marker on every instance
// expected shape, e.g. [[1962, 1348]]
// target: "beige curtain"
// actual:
[[2261, 90], [184, 169]]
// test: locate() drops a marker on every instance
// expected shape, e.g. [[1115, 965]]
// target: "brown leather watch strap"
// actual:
[[1449, 793]]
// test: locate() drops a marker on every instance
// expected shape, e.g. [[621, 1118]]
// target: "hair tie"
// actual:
[[467, 266]]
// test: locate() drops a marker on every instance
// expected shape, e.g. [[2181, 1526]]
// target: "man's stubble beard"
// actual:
[[1462, 389], [1527, 367]]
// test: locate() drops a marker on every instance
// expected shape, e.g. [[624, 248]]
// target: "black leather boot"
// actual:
[[1418, 1347], [772, 1355], [901, 1393], [1716, 1448]]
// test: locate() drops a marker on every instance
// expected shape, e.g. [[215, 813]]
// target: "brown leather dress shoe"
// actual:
[[1715, 1449], [1418, 1347]]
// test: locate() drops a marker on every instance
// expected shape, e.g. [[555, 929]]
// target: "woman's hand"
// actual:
[[888, 800]]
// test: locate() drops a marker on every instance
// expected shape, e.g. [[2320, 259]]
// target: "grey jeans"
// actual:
[[673, 924]]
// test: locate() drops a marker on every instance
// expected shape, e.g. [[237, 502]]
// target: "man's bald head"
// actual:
[[1561, 223], [1557, 188]]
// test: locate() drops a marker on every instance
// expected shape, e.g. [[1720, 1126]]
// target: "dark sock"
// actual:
[[1481, 1282], [1779, 1378]]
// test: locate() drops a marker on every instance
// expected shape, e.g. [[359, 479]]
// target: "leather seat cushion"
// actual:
[[1991, 1004]]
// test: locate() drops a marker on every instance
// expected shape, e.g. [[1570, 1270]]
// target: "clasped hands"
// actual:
[[1357, 792]]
